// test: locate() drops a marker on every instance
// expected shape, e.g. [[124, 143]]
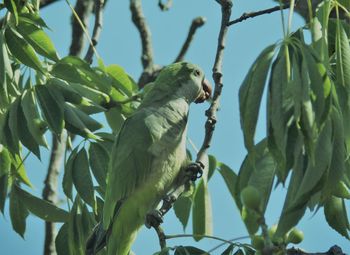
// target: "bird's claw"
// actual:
[[153, 219], [195, 170]]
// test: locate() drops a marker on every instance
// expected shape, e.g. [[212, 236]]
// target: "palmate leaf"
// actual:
[[250, 94]]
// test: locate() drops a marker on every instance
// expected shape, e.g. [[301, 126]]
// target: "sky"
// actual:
[[120, 44]]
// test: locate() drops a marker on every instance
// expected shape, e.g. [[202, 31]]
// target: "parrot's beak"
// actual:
[[205, 92]]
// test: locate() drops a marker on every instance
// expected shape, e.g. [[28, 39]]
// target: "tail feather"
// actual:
[[97, 240]]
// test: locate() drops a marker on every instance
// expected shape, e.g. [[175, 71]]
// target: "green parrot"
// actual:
[[148, 155]]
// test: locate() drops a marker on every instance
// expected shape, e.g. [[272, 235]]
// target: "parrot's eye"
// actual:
[[197, 72]]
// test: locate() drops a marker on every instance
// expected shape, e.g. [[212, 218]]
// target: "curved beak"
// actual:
[[205, 92]]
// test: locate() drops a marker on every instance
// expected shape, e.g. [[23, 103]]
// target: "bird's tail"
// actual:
[[97, 240]]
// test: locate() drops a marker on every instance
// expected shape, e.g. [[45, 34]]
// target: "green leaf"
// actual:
[[32, 18], [121, 80], [82, 178], [24, 133], [3, 191], [69, 94], [18, 212], [32, 117], [343, 57], [61, 241], [115, 119], [251, 220], [230, 178], [75, 244], [51, 103], [339, 157], [277, 107], [250, 94], [78, 122], [336, 216], [21, 49], [5, 161], [99, 161], [13, 123], [12, 6], [202, 212], [290, 218], [189, 250], [39, 40], [94, 95], [18, 168], [212, 166], [315, 170], [68, 174], [182, 209], [41, 208], [5, 71], [228, 250]]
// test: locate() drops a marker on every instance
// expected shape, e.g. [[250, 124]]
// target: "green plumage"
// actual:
[[148, 154]]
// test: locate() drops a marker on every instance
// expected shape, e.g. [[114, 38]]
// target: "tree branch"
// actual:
[[248, 15], [226, 6], [334, 250], [50, 188], [196, 23], [44, 3], [97, 30], [140, 22], [165, 6], [83, 8]]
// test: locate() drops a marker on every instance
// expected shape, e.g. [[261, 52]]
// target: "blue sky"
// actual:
[[120, 44]]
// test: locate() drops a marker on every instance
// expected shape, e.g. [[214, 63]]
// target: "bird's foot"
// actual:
[[195, 170], [153, 219]]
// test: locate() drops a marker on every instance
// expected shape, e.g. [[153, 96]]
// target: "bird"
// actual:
[[148, 156]]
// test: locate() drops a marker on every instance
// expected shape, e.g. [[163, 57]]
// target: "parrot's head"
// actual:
[[182, 80]]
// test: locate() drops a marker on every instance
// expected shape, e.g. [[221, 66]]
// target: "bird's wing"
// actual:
[[130, 165]]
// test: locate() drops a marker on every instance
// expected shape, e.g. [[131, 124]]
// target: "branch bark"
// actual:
[[83, 8], [97, 30], [226, 6], [196, 23], [50, 188], [248, 15]]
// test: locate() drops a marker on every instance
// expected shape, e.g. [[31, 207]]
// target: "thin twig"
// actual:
[[140, 22], [196, 23], [233, 240], [165, 6], [226, 6], [97, 30], [248, 15]]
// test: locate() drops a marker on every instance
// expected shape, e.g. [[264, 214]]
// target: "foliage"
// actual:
[[306, 148]]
